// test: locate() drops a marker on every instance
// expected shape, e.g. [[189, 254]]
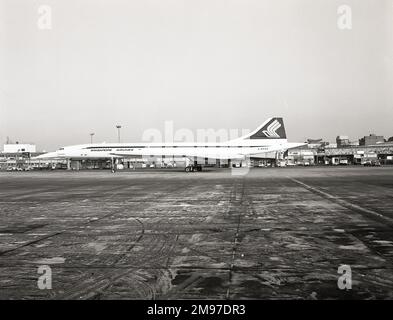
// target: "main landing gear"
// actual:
[[193, 168]]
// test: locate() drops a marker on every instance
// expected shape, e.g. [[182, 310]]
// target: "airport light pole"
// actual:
[[118, 132], [91, 137]]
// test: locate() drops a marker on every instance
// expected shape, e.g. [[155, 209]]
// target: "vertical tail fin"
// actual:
[[272, 128]]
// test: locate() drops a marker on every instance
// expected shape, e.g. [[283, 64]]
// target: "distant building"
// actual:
[[342, 141], [301, 156], [317, 144], [331, 146], [314, 143], [19, 148], [370, 140]]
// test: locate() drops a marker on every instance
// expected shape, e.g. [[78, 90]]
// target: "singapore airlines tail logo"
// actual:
[[271, 131]]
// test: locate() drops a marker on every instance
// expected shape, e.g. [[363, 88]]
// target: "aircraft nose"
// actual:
[[47, 155]]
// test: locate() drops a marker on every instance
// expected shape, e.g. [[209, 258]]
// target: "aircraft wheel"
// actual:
[[187, 169]]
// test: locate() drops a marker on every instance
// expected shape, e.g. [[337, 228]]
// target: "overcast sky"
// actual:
[[201, 64]]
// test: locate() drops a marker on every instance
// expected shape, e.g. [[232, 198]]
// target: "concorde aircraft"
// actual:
[[268, 137]]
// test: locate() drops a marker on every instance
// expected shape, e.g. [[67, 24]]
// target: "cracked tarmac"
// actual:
[[276, 233]]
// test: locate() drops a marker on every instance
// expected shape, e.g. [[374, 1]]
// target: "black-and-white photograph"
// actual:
[[196, 150]]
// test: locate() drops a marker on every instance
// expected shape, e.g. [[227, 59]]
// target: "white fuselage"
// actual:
[[234, 149]]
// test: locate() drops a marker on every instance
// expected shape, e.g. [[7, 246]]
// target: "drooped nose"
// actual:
[[49, 155]]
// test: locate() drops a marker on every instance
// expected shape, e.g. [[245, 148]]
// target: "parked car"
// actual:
[[372, 163], [375, 163], [281, 164]]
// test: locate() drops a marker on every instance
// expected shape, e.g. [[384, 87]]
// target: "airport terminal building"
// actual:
[[349, 155]]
